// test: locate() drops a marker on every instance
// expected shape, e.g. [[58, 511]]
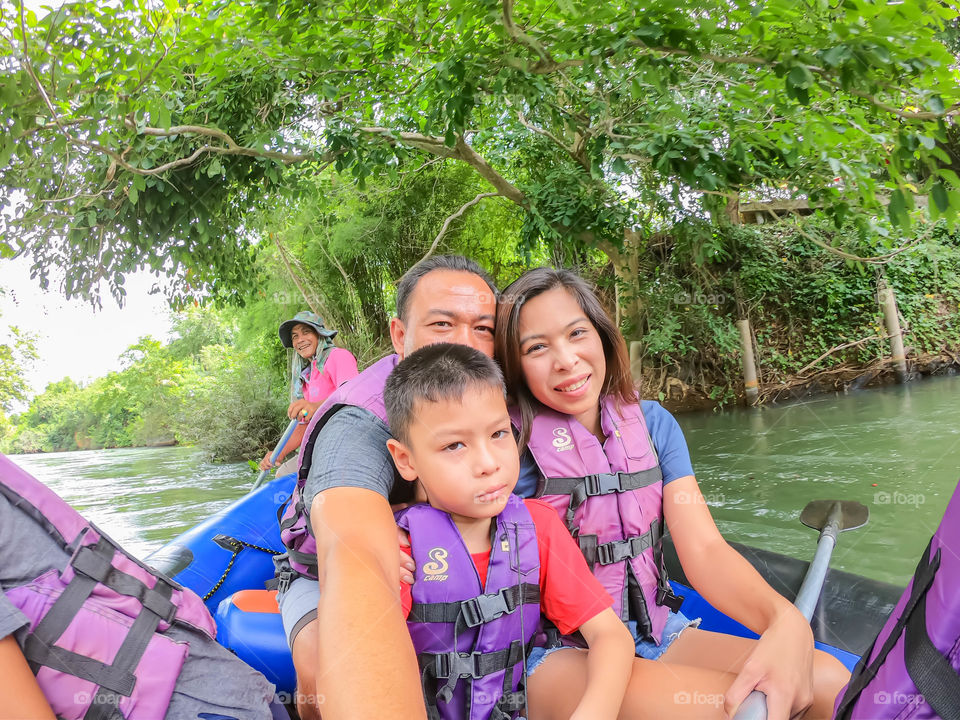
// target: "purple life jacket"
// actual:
[[95, 639], [911, 670], [471, 640], [611, 499], [364, 391]]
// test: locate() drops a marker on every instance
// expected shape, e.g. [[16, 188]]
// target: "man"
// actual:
[[351, 649]]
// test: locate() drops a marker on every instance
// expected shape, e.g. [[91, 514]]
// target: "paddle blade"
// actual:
[[851, 514]]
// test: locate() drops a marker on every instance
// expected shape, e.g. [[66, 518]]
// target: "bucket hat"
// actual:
[[307, 318]]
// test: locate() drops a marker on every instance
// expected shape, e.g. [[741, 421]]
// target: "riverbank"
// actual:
[[680, 397]]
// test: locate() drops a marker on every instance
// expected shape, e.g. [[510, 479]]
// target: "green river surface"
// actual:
[[895, 449]]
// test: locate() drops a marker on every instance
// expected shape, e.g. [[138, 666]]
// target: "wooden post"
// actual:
[[750, 385], [891, 317], [636, 348]]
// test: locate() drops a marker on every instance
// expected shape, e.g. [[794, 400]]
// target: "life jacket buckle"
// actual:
[[666, 597], [602, 484], [486, 608], [458, 665], [284, 579]]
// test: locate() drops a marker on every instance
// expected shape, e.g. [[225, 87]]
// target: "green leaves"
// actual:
[[589, 115]]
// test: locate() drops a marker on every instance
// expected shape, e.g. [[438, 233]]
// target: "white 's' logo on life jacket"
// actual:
[[436, 570], [562, 440]]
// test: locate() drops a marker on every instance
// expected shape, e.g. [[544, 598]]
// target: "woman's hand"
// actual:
[[302, 410], [781, 667], [265, 464]]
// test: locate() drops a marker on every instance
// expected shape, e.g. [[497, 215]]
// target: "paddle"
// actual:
[[830, 517], [276, 452]]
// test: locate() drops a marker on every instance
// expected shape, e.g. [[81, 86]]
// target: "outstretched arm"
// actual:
[[367, 667], [781, 665], [20, 696]]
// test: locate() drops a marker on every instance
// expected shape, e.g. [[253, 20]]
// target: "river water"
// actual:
[[896, 449]]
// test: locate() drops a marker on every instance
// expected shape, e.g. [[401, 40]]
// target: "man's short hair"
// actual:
[[442, 371], [411, 277]]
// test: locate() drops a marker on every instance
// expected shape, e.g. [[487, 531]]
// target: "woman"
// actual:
[[324, 368], [616, 469]]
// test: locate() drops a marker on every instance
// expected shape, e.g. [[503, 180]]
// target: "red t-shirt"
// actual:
[[569, 593]]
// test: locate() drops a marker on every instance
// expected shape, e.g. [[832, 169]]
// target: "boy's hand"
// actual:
[[407, 565]]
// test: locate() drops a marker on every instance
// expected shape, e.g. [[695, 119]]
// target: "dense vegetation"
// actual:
[[222, 381], [266, 156]]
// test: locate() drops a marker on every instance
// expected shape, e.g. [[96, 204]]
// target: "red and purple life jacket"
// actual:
[[611, 498], [471, 639], [364, 391], [912, 671], [95, 639]]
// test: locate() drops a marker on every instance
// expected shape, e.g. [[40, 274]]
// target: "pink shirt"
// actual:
[[340, 366]]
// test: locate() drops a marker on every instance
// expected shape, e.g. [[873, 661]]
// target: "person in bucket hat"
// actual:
[[323, 368]]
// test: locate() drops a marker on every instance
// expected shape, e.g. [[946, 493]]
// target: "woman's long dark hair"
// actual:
[[617, 382]]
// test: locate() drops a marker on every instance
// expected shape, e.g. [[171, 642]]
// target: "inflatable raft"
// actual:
[[228, 559]]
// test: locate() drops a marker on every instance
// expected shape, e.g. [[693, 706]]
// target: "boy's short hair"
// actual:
[[433, 373]]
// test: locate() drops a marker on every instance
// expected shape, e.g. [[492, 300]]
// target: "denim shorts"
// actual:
[[676, 623]]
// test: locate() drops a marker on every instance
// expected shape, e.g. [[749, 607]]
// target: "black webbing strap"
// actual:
[[478, 610], [39, 653], [930, 671], [105, 703], [95, 562], [474, 665], [579, 489], [618, 550], [600, 483], [116, 679], [863, 674]]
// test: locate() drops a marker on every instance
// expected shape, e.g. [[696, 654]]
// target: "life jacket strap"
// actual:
[[617, 551], [866, 671], [930, 671], [116, 679], [600, 483], [479, 610], [474, 665], [95, 563], [581, 488]]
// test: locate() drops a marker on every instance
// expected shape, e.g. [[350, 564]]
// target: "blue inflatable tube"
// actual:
[[231, 550]]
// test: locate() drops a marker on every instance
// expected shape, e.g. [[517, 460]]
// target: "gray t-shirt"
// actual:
[[351, 451], [212, 680]]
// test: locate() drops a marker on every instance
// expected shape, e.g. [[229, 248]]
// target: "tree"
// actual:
[[15, 357], [141, 136]]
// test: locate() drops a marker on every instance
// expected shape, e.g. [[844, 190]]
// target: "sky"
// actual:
[[73, 339]]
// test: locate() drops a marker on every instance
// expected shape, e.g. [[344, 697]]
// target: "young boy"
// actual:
[[487, 562]]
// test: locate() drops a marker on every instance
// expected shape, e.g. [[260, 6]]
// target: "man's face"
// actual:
[[446, 306]]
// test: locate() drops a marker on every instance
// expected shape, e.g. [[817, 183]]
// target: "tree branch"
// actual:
[[232, 147], [446, 223], [574, 152], [521, 37], [876, 260], [838, 348]]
